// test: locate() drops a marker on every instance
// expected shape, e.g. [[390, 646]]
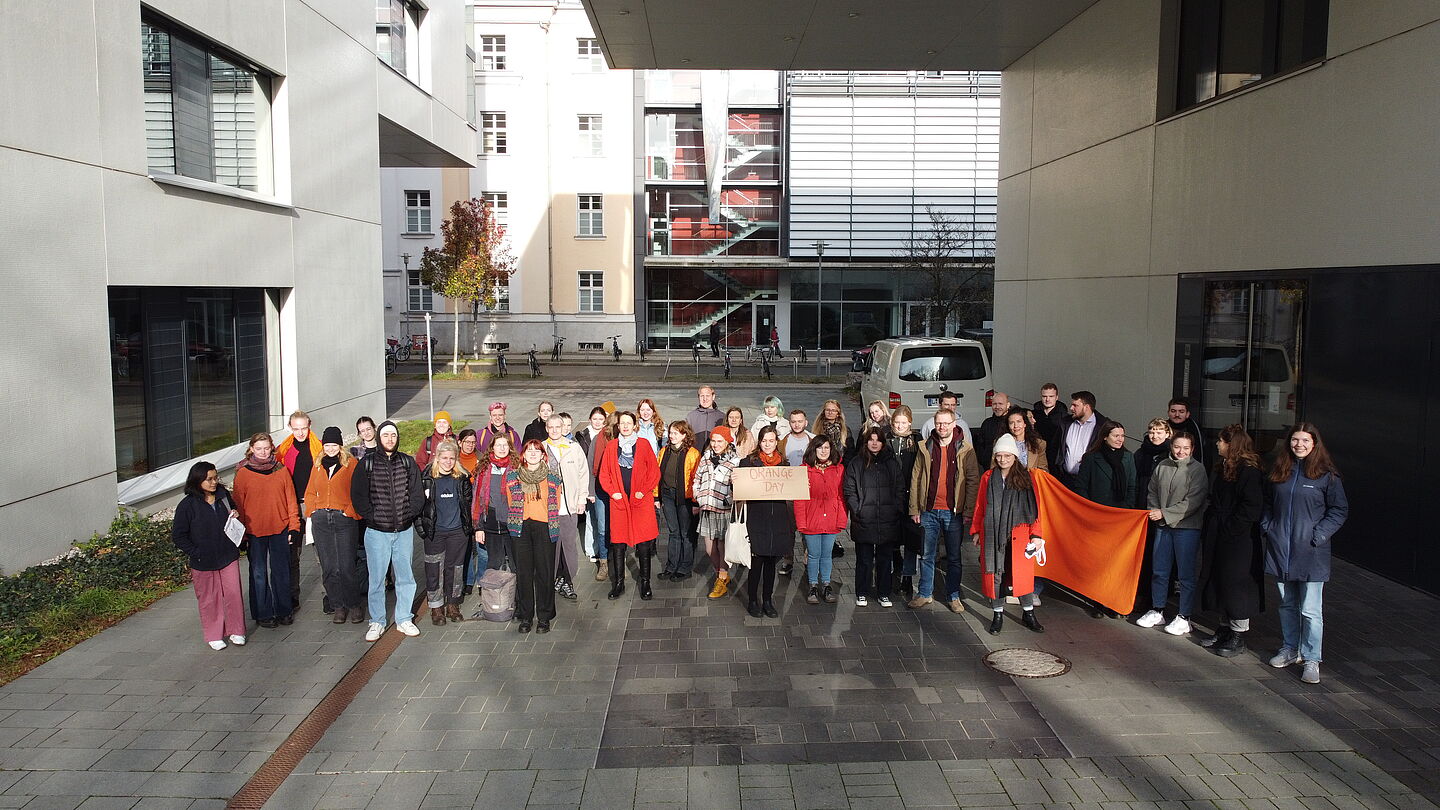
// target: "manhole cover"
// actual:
[[1027, 663]]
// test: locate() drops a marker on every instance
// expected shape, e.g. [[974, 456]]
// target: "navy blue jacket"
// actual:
[[1301, 517], [199, 531]]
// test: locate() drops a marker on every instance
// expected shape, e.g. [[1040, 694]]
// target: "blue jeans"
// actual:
[[1179, 548], [936, 522], [479, 561], [596, 523], [818, 548], [1301, 620], [679, 549], [270, 576], [391, 550]]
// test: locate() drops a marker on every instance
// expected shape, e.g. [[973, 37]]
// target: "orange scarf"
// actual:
[[771, 460]]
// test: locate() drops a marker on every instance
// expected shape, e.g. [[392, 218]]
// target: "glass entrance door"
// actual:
[[764, 319], [1251, 358]]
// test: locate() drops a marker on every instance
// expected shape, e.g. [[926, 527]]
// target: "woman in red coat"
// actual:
[[629, 472], [823, 516], [1008, 529]]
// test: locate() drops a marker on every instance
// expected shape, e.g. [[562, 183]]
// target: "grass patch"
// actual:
[[414, 431], [47, 609]]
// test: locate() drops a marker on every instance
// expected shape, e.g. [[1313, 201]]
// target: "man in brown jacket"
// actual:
[[942, 498]]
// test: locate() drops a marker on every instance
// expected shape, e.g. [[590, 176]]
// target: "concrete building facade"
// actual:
[[1234, 202], [192, 232]]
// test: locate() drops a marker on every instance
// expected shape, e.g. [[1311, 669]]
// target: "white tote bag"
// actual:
[[737, 538]]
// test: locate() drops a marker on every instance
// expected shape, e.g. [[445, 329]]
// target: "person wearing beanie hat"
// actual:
[[425, 453], [335, 527], [387, 494], [1007, 528]]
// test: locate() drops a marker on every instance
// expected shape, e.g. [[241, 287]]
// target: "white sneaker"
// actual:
[[1150, 619], [885, 602], [1035, 600], [861, 601], [217, 645], [1311, 672], [372, 633], [408, 628], [238, 641], [1178, 626]]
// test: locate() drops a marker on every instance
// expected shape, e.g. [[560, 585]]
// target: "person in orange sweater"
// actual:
[[265, 498], [675, 494], [335, 525]]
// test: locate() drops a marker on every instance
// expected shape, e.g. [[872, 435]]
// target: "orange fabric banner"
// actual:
[[1093, 550]]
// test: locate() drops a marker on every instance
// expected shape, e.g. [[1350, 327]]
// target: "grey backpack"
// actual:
[[497, 595]]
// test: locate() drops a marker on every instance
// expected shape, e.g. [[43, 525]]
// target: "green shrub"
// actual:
[[135, 554]]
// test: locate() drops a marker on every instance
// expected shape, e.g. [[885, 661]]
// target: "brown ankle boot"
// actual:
[[437, 616], [602, 570], [452, 612]]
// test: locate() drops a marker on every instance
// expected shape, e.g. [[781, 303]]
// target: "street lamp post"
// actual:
[[819, 305], [429, 364]]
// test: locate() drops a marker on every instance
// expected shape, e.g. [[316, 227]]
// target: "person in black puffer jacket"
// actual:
[[446, 527], [875, 498], [386, 492]]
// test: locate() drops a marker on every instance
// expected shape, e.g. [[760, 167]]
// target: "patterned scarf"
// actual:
[[530, 480]]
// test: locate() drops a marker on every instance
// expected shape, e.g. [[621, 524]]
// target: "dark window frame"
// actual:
[[1197, 43]]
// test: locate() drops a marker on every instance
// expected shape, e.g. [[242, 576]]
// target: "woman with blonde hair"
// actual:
[[445, 527], [265, 498], [877, 414]]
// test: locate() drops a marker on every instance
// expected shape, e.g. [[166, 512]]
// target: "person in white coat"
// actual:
[[577, 488]]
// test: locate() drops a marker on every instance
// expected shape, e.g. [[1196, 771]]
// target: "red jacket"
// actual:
[[425, 453], [632, 518], [287, 453], [824, 513]]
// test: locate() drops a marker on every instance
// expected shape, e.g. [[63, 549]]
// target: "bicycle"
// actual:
[[695, 348], [727, 362], [804, 355], [401, 351], [534, 363], [390, 362], [765, 364], [500, 363], [641, 349], [558, 349], [615, 346]]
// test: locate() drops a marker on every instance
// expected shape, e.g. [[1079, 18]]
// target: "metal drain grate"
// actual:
[[271, 775], [1025, 663]]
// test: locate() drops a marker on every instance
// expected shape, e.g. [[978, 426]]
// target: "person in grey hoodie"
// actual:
[[1178, 492]]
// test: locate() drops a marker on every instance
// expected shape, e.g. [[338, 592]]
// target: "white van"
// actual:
[[1271, 405], [915, 371]]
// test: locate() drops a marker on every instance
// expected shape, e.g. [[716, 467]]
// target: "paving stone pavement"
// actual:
[[687, 702]]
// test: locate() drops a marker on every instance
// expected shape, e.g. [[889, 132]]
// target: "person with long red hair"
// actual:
[[1305, 505], [630, 473]]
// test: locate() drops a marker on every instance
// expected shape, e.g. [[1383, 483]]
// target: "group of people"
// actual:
[[534, 501], [1217, 527]]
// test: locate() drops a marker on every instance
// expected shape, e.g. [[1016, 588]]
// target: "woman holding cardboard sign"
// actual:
[[630, 473], [771, 525]]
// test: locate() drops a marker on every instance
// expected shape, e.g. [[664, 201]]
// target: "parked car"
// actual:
[[915, 371], [1272, 386]]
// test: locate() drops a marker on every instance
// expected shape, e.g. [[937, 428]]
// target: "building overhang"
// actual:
[[823, 35]]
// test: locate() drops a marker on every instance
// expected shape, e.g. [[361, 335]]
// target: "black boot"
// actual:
[[617, 570], [644, 560], [1233, 645], [1028, 618], [1221, 636], [996, 623], [907, 588], [768, 608], [754, 609]]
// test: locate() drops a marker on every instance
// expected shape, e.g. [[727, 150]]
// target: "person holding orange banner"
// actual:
[[1007, 528]]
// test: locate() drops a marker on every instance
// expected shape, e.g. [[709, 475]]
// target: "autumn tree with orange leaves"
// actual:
[[473, 262]]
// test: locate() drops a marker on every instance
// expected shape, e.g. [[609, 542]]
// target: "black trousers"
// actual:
[[535, 566], [445, 566], [873, 568], [762, 572], [336, 540]]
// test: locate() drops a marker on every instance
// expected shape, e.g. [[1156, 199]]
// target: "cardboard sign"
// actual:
[[780, 483]]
